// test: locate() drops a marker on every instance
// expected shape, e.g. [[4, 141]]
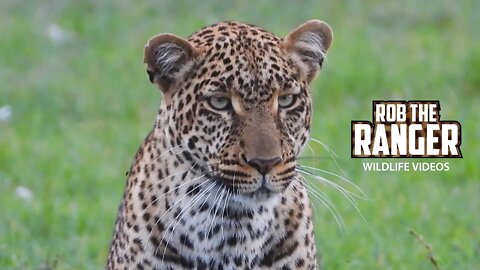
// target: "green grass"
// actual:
[[80, 110]]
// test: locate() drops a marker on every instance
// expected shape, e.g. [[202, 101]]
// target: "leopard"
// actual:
[[214, 185]]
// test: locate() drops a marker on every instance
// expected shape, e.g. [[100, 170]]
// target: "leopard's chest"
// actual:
[[198, 222]]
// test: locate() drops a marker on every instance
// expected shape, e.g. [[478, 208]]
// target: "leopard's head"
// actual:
[[236, 99]]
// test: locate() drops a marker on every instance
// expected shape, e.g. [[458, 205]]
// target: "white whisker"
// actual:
[[342, 190], [332, 153], [364, 196], [172, 206], [348, 194], [170, 191], [216, 209], [327, 203], [180, 215]]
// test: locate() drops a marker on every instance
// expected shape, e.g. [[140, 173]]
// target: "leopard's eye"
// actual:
[[286, 101], [219, 102]]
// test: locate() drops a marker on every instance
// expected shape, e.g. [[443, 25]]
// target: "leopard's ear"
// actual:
[[307, 45], [168, 58]]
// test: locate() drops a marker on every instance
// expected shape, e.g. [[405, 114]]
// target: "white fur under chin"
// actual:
[[228, 227], [242, 201]]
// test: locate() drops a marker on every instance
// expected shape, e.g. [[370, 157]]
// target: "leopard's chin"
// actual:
[[252, 194], [262, 194]]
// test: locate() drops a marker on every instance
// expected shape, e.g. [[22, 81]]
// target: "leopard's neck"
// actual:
[[173, 213]]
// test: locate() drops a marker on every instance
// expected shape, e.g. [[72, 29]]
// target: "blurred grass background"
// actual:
[[72, 74]]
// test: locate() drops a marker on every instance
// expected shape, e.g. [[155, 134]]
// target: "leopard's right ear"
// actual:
[[168, 58]]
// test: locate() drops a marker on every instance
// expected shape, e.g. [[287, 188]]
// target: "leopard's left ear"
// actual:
[[307, 45]]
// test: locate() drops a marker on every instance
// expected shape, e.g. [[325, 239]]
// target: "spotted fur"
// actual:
[[214, 184]]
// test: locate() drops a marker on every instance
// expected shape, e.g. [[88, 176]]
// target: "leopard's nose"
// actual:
[[264, 166]]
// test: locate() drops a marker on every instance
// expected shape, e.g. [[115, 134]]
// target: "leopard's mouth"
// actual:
[[255, 187], [258, 190]]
